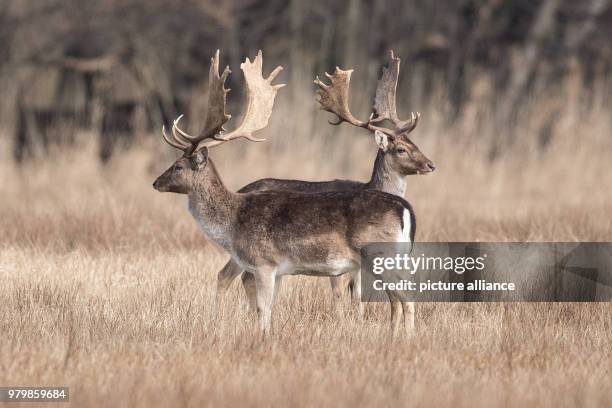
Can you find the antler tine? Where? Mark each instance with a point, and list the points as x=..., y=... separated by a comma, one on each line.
x=179, y=134
x=334, y=98
x=177, y=143
x=216, y=116
x=260, y=101
x=186, y=146
x=217, y=99
x=385, y=107
x=409, y=125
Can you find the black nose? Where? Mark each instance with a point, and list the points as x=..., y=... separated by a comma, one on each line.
x=431, y=166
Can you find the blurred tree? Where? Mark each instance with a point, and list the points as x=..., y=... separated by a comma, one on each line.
x=122, y=67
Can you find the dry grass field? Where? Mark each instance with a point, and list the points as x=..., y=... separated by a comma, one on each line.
x=108, y=287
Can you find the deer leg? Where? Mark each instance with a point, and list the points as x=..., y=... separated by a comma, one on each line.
x=402, y=314
x=248, y=283
x=250, y=289
x=224, y=280
x=265, y=279
x=336, y=286
x=356, y=293
x=397, y=313
x=227, y=275
x=338, y=295
x=277, y=285
x=341, y=286
x=396, y=316
x=408, y=308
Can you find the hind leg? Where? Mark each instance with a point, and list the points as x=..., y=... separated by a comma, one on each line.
x=409, y=311
x=277, y=286
x=402, y=314
x=397, y=317
x=250, y=290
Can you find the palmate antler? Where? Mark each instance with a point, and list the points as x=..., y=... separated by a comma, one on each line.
x=334, y=98
x=385, y=99
x=260, y=101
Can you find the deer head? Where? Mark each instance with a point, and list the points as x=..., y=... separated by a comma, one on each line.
x=405, y=157
x=185, y=172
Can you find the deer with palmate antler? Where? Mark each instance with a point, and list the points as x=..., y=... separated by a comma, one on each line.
x=397, y=157
x=276, y=233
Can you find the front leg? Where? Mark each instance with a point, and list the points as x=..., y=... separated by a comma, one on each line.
x=248, y=283
x=265, y=278
x=227, y=275
x=225, y=278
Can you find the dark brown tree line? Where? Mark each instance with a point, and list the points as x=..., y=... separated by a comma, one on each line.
x=122, y=67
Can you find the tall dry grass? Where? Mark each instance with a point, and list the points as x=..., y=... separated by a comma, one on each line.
x=108, y=287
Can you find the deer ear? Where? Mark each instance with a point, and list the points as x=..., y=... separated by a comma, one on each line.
x=199, y=158
x=382, y=140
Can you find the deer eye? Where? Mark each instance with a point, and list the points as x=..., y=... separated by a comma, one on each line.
x=402, y=151
x=178, y=167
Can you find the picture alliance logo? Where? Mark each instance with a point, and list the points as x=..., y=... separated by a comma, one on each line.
x=412, y=264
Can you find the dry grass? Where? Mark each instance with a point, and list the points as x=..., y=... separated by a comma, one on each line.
x=108, y=287
x=138, y=328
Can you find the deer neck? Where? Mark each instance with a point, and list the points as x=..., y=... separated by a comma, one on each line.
x=384, y=178
x=213, y=206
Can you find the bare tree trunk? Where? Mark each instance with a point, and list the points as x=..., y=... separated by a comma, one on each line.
x=234, y=46
x=456, y=68
x=523, y=72
x=377, y=53
x=327, y=37
x=595, y=9
x=350, y=41
x=296, y=51
x=541, y=31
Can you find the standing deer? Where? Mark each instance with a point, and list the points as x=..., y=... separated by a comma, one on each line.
x=397, y=158
x=274, y=233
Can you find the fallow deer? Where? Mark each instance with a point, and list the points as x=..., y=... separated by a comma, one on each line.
x=276, y=233
x=397, y=157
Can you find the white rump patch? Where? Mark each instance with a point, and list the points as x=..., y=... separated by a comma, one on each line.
x=404, y=235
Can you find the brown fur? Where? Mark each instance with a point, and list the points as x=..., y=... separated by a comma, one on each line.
x=390, y=169
x=265, y=230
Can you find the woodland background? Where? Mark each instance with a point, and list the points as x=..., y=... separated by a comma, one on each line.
x=121, y=68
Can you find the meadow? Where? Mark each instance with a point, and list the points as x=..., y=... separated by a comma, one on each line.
x=108, y=287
